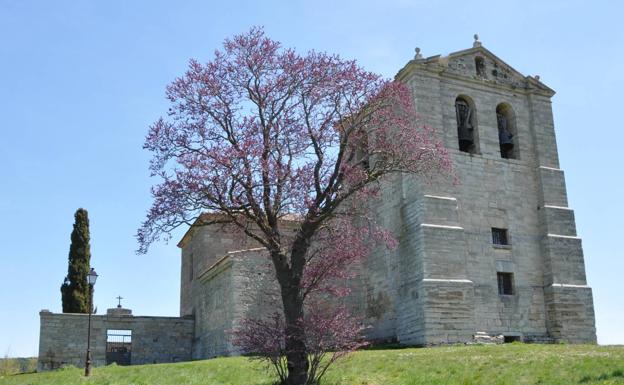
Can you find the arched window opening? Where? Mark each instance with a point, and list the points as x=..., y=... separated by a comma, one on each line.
x=507, y=131
x=362, y=153
x=480, y=66
x=359, y=153
x=465, y=113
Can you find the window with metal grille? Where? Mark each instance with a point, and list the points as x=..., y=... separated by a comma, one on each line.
x=499, y=236
x=505, y=283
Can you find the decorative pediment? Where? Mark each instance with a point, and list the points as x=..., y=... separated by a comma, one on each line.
x=479, y=64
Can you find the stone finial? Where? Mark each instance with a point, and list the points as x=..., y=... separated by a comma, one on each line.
x=537, y=77
x=476, y=43
x=418, y=55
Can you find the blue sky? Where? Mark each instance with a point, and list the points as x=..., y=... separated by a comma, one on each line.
x=80, y=81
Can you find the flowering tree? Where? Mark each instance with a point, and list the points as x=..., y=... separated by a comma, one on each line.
x=330, y=333
x=260, y=134
x=330, y=329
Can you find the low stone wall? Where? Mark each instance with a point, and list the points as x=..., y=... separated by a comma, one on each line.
x=63, y=338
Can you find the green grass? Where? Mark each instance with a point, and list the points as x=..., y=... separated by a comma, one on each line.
x=454, y=365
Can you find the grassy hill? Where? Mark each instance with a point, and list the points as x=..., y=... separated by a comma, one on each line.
x=17, y=365
x=461, y=365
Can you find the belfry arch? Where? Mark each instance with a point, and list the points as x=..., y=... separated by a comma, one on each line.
x=507, y=131
x=466, y=115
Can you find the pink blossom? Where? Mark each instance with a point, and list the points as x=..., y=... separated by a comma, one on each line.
x=261, y=133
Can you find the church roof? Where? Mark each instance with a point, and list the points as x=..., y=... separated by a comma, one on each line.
x=202, y=220
x=207, y=219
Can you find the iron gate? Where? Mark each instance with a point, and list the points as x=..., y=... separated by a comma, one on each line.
x=119, y=347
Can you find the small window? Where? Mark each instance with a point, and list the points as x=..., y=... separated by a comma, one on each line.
x=505, y=283
x=499, y=236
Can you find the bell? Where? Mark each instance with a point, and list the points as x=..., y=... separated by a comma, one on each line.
x=464, y=126
x=464, y=135
x=505, y=139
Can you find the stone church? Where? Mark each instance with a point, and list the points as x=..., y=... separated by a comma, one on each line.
x=494, y=255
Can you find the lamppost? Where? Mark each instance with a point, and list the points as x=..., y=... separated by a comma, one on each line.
x=91, y=278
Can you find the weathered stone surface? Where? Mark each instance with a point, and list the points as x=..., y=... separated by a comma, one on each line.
x=63, y=338
x=445, y=230
x=236, y=287
x=440, y=285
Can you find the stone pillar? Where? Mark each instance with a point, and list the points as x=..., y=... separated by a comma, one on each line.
x=568, y=298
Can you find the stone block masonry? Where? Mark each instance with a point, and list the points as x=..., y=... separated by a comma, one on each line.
x=234, y=288
x=447, y=287
x=63, y=338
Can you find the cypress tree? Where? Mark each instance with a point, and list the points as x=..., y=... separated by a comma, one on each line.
x=75, y=290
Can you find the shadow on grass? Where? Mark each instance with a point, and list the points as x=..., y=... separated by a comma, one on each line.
x=617, y=373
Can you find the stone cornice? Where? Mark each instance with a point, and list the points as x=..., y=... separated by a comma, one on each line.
x=223, y=263
x=219, y=266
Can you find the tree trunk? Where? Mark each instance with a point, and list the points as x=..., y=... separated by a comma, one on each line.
x=296, y=351
x=289, y=277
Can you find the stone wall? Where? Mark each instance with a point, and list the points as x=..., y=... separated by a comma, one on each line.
x=440, y=286
x=63, y=338
x=214, y=304
x=209, y=284
x=237, y=287
x=241, y=285
x=201, y=248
